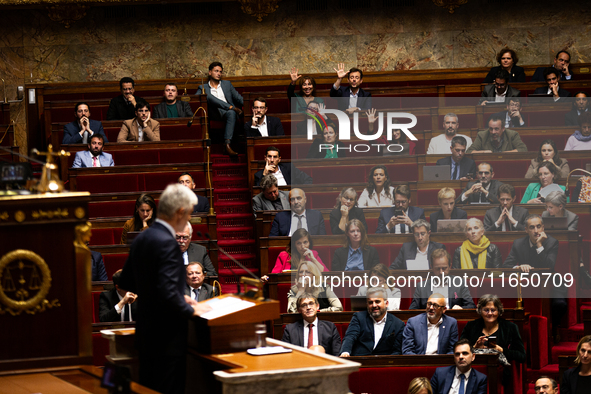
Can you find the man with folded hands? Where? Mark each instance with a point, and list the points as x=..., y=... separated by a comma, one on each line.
x=83, y=128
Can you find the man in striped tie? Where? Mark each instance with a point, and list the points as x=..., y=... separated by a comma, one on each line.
x=460, y=378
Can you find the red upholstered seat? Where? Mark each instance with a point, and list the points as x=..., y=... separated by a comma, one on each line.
x=114, y=262
x=102, y=236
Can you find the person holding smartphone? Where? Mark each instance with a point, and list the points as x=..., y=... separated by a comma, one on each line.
x=493, y=332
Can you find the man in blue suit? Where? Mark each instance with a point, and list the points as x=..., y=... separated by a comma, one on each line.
x=358, y=99
x=99, y=274
x=431, y=332
x=80, y=130
x=155, y=272
x=286, y=223
x=94, y=156
x=399, y=218
x=223, y=102
x=453, y=379
x=360, y=338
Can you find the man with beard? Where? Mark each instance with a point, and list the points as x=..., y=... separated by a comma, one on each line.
x=499, y=90
x=483, y=190
x=286, y=223
x=375, y=331
x=194, y=252
x=123, y=107
x=142, y=127
x=262, y=125
x=561, y=63
x=431, y=332
x=505, y=217
x=286, y=174
x=80, y=130
x=170, y=107
x=271, y=199
x=440, y=145
x=202, y=205
x=460, y=378
x=223, y=102
x=94, y=156
x=359, y=99
x=497, y=139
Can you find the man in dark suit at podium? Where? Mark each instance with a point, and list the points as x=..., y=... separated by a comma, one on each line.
x=310, y=331
x=195, y=288
x=155, y=271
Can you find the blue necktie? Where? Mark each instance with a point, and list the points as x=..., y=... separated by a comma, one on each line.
x=462, y=379
x=456, y=174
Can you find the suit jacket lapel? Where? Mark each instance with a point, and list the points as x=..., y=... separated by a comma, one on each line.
x=299, y=335
x=284, y=201
x=425, y=330
x=471, y=381
x=449, y=379
x=441, y=334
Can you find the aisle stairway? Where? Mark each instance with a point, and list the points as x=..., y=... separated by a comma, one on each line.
x=235, y=222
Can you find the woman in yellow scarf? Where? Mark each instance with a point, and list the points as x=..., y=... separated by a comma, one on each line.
x=476, y=251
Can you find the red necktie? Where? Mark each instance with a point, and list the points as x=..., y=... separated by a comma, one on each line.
x=94, y=163
x=310, y=336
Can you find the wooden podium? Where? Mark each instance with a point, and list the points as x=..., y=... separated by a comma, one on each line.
x=232, y=332
x=45, y=272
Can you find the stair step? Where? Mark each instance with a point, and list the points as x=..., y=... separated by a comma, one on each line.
x=573, y=333
x=563, y=349
x=238, y=195
x=235, y=233
x=237, y=248
x=229, y=183
x=242, y=220
x=232, y=171
x=224, y=160
x=233, y=208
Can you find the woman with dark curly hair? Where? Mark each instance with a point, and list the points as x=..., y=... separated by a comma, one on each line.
x=306, y=94
x=507, y=59
x=548, y=152
x=143, y=217
x=378, y=192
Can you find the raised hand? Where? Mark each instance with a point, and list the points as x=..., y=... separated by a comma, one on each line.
x=294, y=74
x=341, y=73
x=371, y=115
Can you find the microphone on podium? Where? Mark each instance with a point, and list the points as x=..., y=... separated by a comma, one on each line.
x=257, y=281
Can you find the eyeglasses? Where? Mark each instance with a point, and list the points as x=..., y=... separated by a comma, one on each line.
x=308, y=305
x=183, y=237
x=435, y=306
x=489, y=311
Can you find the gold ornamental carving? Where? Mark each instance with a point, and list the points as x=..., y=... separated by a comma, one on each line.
x=58, y=213
x=4, y=216
x=79, y=212
x=19, y=216
x=83, y=234
x=259, y=8
x=67, y=14
x=25, y=280
x=450, y=5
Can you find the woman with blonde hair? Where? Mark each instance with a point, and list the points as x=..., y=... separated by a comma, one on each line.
x=420, y=386
x=309, y=280
x=577, y=380
x=346, y=209
x=447, y=202
x=476, y=251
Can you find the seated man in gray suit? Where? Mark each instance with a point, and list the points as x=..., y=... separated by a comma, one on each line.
x=431, y=332
x=271, y=199
x=170, y=107
x=194, y=252
x=195, y=288
x=499, y=90
x=94, y=156
x=455, y=297
x=506, y=217
x=223, y=102
x=420, y=250
x=483, y=190
x=310, y=331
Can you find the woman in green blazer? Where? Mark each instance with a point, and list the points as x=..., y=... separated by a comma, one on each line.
x=548, y=173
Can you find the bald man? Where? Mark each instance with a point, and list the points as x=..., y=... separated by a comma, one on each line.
x=286, y=223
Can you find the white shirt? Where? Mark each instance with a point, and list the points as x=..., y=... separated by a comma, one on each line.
x=186, y=257
x=353, y=99
x=261, y=127
x=422, y=256
x=280, y=178
x=365, y=200
x=433, y=336
x=314, y=332
x=193, y=295
x=120, y=311
x=218, y=92
x=500, y=98
x=440, y=145
x=455, y=386
x=508, y=120
x=140, y=131
x=552, y=93
x=487, y=187
x=378, y=329
x=294, y=222
x=98, y=160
